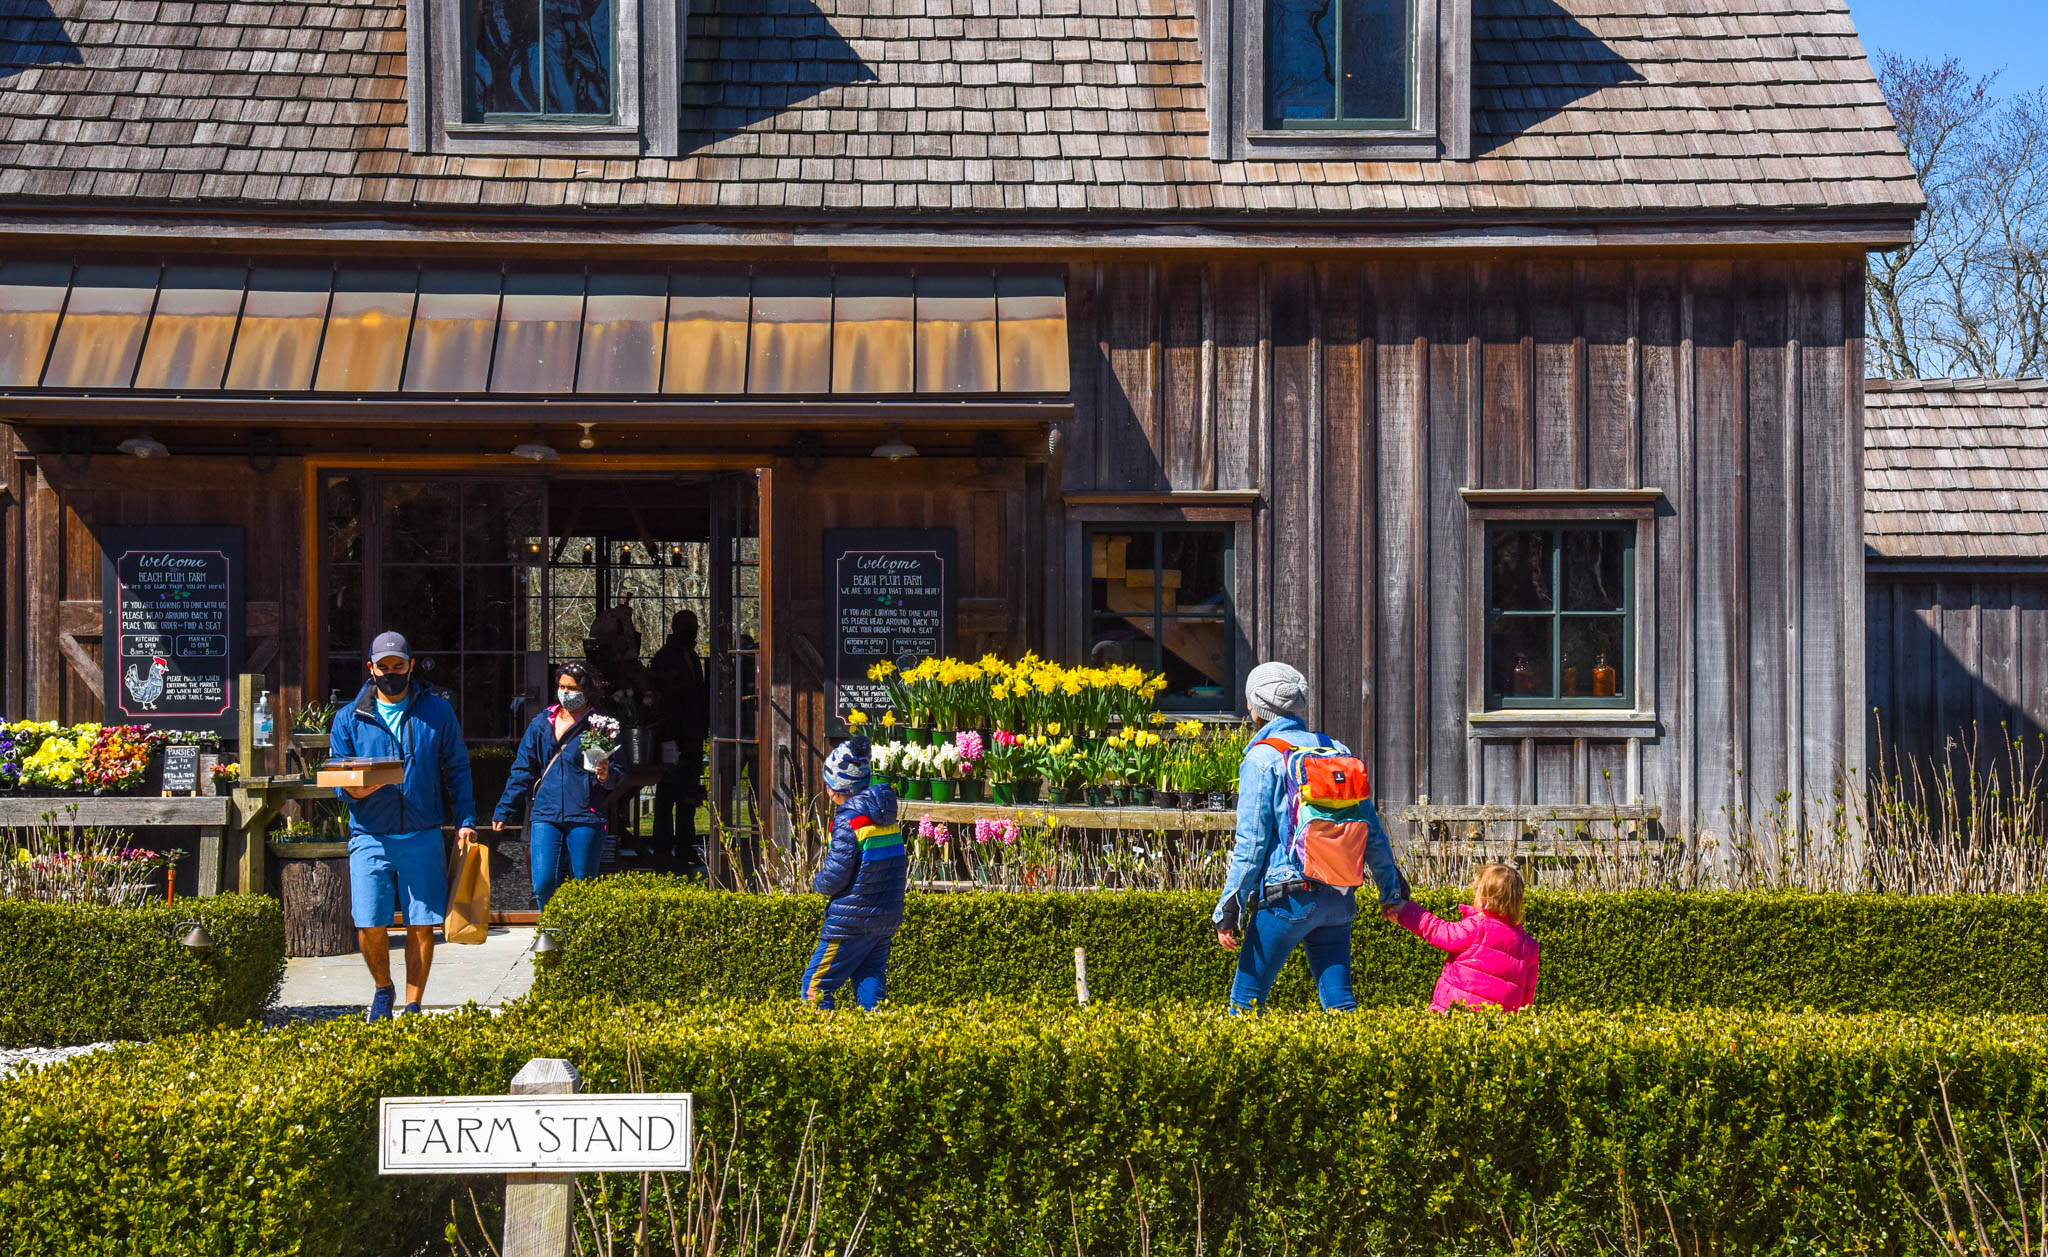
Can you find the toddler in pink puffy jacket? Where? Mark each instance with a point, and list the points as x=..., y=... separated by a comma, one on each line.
x=1493, y=960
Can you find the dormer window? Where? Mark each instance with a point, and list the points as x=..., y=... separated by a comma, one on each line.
x=545, y=78
x=1335, y=80
x=1340, y=64
x=541, y=59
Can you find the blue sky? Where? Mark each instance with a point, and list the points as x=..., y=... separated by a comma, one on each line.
x=2008, y=35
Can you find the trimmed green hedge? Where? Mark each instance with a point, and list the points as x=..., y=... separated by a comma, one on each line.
x=1000, y=1129
x=643, y=937
x=82, y=973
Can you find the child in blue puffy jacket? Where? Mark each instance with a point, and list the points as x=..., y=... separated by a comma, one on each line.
x=863, y=877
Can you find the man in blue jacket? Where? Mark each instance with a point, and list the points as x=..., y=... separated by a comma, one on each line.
x=863, y=877
x=394, y=846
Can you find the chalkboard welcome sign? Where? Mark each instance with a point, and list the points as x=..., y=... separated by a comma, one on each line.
x=171, y=635
x=893, y=595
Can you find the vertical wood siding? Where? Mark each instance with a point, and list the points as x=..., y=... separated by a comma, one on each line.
x=1956, y=662
x=1360, y=397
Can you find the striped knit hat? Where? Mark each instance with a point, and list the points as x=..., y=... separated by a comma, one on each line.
x=846, y=768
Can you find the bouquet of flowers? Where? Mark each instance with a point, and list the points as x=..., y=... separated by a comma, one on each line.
x=599, y=740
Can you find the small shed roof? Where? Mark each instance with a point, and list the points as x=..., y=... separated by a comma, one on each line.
x=1956, y=469
x=1034, y=110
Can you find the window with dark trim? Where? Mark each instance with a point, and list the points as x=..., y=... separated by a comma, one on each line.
x=1338, y=80
x=540, y=60
x=1159, y=597
x=1340, y=64
x=1561, y=610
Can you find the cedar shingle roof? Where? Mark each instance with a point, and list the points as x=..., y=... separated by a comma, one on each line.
x=1956, y=469
x=1597, y=108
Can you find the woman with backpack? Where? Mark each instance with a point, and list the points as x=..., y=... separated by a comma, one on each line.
x=1307, y=836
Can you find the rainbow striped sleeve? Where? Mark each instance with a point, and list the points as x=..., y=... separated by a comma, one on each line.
x=877, y=841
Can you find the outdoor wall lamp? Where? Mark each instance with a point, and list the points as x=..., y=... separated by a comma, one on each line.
x=588, y=441
x=144, y=447
x=895, y=449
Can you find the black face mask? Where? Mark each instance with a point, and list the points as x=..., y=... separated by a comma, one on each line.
x=392, y=684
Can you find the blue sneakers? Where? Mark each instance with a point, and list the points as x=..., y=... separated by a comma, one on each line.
x=412, y=1010
x=380, y=1004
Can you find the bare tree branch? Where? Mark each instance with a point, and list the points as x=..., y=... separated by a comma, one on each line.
x=1969, y=294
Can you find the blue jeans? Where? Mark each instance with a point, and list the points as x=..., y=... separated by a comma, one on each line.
x=550, y=844
x=1317, y=920
x=862, y=961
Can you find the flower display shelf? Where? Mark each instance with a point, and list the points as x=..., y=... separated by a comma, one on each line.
x=210, y=815
x=1114, y=818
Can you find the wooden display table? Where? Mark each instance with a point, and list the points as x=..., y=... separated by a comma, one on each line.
x=209, y=814
x=1118, y=818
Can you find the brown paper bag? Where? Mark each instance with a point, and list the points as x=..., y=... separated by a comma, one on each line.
x=469, y=896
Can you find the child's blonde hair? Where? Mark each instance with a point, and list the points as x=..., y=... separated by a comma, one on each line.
x=1497, y=888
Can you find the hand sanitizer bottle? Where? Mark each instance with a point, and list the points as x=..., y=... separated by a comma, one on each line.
x=264, y=724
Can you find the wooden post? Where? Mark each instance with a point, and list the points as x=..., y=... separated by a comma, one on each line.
x=538, y=1207
x=1080, y=975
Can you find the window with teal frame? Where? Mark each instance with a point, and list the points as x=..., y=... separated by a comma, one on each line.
x=1340, y=64
x=541, y=61
x=1159, y=597
x=1560, y=629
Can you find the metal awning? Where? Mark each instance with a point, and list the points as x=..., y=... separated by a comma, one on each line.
x=311, y=339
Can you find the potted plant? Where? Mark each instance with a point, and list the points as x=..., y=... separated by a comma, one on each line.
x=916, y=768
x=225, y=776
x=887, y=762
x=1000, y=759
x=973, y=750
x=946, y=766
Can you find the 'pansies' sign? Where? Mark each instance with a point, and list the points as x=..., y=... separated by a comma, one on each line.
x=171, y=637
x=893, y=595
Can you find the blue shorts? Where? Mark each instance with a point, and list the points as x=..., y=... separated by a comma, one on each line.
x=385, y=871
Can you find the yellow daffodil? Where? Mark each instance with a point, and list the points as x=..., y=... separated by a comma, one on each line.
x=889, y=719
x=856, y=718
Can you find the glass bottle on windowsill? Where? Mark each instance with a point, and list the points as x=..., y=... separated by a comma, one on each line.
x=1603, y=678
x=1525, y=675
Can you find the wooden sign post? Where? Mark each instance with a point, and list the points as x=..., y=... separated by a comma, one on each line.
x=540, y=1137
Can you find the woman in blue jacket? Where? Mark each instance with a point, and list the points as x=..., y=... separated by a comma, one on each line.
x=566, y=822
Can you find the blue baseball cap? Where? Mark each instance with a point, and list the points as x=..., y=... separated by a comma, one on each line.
x=389, y=644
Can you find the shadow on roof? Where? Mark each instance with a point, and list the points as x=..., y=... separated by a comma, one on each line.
x=1530, y=61
x=31, y=35
x=750, y=60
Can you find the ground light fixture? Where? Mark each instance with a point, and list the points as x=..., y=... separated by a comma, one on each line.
x=534, y=449
x=895, y=449
x=196, y=940
x=144, y=447
x=547, y=948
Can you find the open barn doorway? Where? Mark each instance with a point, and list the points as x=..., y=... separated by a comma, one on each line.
x=653, y=580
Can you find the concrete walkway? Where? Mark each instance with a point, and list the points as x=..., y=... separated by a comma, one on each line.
x=497, y=970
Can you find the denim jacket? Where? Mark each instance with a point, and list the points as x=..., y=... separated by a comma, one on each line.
x=1262, y=817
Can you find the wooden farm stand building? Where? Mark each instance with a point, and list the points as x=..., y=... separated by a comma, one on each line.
x=1956, y=511
x=1499, y=363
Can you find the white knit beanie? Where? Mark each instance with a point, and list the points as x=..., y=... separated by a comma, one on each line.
x=1276, y=689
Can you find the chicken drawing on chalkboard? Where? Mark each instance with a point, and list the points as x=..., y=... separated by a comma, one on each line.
x=144, y=688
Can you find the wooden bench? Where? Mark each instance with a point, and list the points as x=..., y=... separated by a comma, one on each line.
x=1530, y=836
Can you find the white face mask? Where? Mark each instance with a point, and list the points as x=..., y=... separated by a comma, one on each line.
x=571, y=699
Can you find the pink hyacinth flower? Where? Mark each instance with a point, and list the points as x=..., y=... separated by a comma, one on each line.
x=969, y=744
